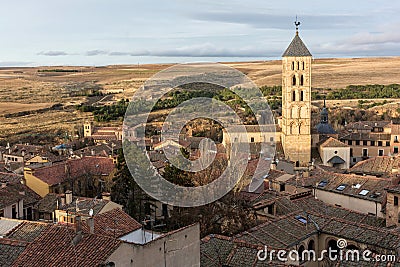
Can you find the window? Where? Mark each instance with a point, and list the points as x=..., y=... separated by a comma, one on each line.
x=365, y=152
x=294, y=80
x=379, y=143
x=365, y=143
x=372, y=143
x=14, y=212
x=298, y=65
x=1, y=213
x=293, y=65
x=354, y=160
x=301, y=80
x=364, y=192
x=301, y=252
x=282, y=187
x=380, y=152
x=323, y=183
x=301, y=95
x=293, y=96
x=396, y=150
x=301, y=219
x=271, y=139
x=351, y=152
x=341, y=187
x=357, y=142
x=252, y=139
x=396, y=201
x=303, y=65
x=387, y=143
x=350, y=142
x=396, y=139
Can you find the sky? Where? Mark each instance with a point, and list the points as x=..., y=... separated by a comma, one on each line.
x=106, y=32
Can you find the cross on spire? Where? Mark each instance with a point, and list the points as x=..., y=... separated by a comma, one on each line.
x=297, y=24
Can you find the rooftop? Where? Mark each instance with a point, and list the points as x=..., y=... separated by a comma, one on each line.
x=297, y=48
x=74, y=168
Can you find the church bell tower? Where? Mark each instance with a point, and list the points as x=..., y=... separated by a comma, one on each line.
x=296, y=101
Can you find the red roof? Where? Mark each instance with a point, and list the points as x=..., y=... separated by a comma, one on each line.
x=75, y=168
x=114, y=223
x=54, y=247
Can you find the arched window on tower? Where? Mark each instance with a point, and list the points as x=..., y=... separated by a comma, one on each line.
x=301, y=80
x=294, y=80
x=303, y=65
x=299, y=128
x=293, y=65
x=293, y=96
x=301, y=95
x=298, y=65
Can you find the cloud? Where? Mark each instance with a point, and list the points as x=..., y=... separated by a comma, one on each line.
x=96, y=52
x=273, y=21
x=374, y=43
x=202, y=50
x=15, y=63
x=53, y=53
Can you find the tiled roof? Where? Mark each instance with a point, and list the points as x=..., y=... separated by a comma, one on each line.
x=377, y=165
x=297, y=48
x=54, y=247
x=311, y=204
x=353, y=184
x=114, y=223
x=359, y=232
x=366, y=136
x=85, y=204
x=10, y=250
x=76, y=168
x=6, y=225
x=10, y=177
x=284, y=232
x=14, y=192
x=366, y=125
x=27, y=231
x=217, y=250
x=332, y=142
x=48, y=204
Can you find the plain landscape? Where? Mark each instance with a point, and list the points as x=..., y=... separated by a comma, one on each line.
x=42, y=100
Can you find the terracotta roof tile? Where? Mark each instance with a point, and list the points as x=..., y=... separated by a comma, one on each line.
x=54, y=247
x=113, y=223
x=76, y=168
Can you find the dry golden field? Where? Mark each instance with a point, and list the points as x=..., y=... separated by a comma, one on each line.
x=30, y=89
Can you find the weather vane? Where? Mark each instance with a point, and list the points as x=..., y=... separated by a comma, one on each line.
x=297, y=24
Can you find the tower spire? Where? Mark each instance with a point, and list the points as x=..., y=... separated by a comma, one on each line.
x=297, y=24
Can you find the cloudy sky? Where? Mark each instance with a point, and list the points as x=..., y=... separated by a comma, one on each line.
x=102, y=32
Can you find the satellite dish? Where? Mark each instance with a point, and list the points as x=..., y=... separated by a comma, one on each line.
x=91, y=212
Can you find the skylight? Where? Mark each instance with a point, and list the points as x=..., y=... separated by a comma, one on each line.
x=322, y=183
x=356, y=186
x=364, y=192
x=341, y=187
x=301, y=219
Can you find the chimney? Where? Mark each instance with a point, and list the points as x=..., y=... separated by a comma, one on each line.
x=78, y=231
x=90, y=223
x=68, y=197
x=106, y=196
x=62, y=197
x=78, y=224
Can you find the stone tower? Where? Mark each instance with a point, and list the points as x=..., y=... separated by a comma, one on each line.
x=87, y=129
x=296, y=101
